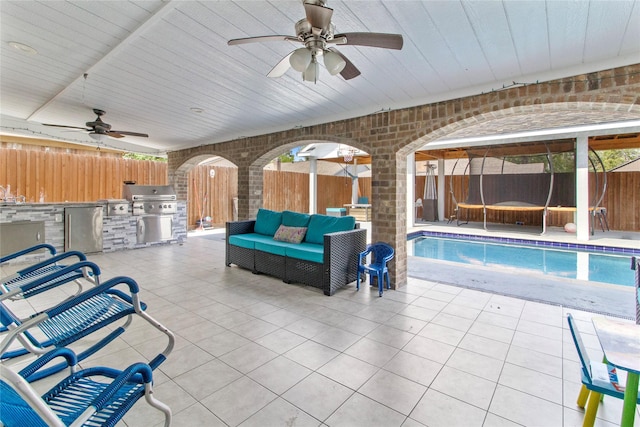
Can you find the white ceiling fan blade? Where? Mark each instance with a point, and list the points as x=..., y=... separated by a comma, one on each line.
x=281, y=67
x=261, y=39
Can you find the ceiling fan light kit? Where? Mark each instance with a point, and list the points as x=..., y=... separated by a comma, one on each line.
x=316, y=32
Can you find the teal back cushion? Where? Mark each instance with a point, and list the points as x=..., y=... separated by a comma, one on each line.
x=267, y=222
x=295, y=219
x=319, y=225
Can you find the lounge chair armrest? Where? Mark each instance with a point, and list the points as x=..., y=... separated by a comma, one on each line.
x=41, y=361
x=141, y=370
x=53, y=260
x=50, y=279
x=18, y=254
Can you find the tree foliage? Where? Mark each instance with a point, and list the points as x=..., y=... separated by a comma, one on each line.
x=136, y=156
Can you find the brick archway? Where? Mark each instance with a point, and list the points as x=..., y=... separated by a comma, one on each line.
x=390, y=136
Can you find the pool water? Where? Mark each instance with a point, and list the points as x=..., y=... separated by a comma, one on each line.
x=567, y=263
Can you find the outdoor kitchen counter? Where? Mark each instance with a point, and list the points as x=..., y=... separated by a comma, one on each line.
x=119, y=232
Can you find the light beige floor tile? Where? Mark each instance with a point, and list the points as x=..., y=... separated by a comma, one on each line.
x=280, y=341
x=431, y=304
x=238, y=401
x=336, y=339
x=476, y=364
x=545, y=345
x=537, y=361
x=254, y=329
x=406, y=323
x=419, y=313
x=390, y=336
x=394, y=391
x=372, y=352
x=311, y=354
x=493, y=332
x=466, y=387
x=280, y=413
x=248, y=357
x=484, y=346
x=429, y=349
x=463, y=311
x=306, y=327
x=318, y=396
x=492, y=420
x=223, y=343
x=532, y=382
x=525, y=409
x=453, y=322
x=439, y=410
x=195, y=415
x=498, y=319
x=360, y=411
x=279, y=374
x=442, y=333
x=207, y=379
x=415, y=368
x=348, y=371
x=184, y=360
x=540, y=329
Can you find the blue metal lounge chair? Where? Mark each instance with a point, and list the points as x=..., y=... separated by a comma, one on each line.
x=598, y=378
x=96, y=396
x=381, y=253
x=76, y=318
x=45, y=268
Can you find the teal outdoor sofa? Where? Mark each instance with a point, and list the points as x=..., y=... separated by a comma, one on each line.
x=316, y=250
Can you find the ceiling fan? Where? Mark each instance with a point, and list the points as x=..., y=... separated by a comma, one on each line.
x=99, y=129
x=316, y=33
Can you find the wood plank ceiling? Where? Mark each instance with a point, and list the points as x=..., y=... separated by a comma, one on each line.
x=149, y=64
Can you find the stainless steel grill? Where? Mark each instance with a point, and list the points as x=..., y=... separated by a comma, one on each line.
x=155, y=206
x=151, y=199
x=116, y=206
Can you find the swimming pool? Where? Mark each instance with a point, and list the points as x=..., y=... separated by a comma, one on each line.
x=555, y=261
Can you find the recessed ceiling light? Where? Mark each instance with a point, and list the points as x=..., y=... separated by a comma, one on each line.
x=197, y=110
x=23, y=48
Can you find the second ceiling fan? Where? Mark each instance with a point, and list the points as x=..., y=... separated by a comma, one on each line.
x=316, y=33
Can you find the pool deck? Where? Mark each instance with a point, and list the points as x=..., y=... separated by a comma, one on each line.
x=594, y=297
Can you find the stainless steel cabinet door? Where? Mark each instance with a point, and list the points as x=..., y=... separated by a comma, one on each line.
x=83, y=229
x=154, y=228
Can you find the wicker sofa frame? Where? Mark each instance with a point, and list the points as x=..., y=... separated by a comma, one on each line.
x=339, y=267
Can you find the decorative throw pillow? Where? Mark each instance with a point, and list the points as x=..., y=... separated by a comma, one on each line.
x=290, y=234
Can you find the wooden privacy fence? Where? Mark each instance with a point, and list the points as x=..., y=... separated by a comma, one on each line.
x=62, y=177
x=71, y=177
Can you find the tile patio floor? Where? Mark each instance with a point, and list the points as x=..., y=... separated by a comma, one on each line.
x=254, y=351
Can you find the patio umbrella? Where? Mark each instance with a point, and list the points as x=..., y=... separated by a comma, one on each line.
x=430, y=199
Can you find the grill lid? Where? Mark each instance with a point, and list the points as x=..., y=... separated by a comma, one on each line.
x=148, y=192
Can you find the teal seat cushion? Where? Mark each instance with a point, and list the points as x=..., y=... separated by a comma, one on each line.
x=248, y=240
x=267, y=222
x=273, y=247
x=295, y=219
x=243, y=240
x=306, y=251
x=319, y=225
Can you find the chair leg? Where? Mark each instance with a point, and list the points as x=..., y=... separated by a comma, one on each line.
x=592, y=409
x=380, y=283
x=358, y=281
x=583, y=396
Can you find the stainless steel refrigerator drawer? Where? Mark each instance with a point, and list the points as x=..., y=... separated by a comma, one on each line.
x=154, y=228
